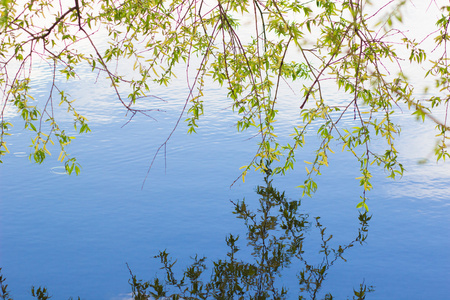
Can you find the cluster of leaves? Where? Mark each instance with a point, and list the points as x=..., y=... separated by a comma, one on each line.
x=4, y=288
x=155, y=36
x=39, y=293
x=275, y=236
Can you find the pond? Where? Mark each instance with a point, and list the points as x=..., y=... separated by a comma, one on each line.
x=80, y=236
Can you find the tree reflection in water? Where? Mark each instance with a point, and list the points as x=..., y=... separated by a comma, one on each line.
x=275, y=234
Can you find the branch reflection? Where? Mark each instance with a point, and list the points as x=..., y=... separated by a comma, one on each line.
x=276, y=232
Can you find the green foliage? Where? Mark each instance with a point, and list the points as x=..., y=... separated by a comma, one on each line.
x=300, y=44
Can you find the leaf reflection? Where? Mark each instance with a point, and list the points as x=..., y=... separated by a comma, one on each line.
x=276, y=232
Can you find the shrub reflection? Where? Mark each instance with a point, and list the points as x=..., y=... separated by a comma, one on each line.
x=275, y=234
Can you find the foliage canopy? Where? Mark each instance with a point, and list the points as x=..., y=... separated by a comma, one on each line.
x=357, y=45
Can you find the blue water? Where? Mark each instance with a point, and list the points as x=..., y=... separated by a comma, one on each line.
x=75, y=234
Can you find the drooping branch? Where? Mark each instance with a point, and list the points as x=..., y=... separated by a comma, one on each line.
x=58, y=20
